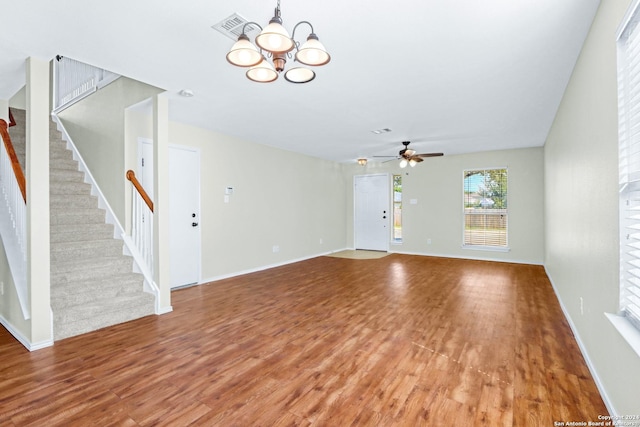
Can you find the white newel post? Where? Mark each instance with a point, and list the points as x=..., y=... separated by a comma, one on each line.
x=37, y=180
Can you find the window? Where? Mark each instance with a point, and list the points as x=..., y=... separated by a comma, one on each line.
x=629, y=164
x=485, y=208
x=397, y=208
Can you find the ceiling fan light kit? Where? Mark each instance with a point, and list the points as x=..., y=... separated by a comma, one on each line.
x=274, y=42
x=408, y=156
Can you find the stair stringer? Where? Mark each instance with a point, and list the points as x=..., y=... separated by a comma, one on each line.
x=119, y=233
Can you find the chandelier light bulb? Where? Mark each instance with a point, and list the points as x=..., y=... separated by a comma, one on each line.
x=313, y=52
x=243, y=53
x=262, y=73
x=403, y=163
x=275, y=38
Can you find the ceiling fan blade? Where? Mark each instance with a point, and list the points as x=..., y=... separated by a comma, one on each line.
x=395, y=157
x=429, y=155
x=416, y=159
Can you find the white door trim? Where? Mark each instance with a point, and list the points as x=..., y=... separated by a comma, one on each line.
x=389, y=210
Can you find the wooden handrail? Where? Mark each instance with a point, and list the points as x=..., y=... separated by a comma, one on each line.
x=15, y=164
x=131, y=176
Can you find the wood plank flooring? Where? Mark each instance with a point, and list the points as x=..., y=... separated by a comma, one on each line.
x=397, y=341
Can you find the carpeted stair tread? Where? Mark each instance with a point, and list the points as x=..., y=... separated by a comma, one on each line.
x=77, y=216
x=69, y=187
x=125, y=283
x=83, y=291
x=65, y=251
x=64, y=175
x=102, y=313
x=66, y=164
x=80, y=232
x=93, y=262
x=72, y=201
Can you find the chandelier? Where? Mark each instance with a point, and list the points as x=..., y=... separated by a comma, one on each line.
x=276, y=42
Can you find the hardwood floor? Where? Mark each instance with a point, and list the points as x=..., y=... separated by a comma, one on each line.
x=397, y=341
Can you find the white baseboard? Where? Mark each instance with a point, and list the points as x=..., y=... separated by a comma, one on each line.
x=164, y=310
x=22, y=339
x=475, y=258
x=265, y=267
x=583, y=350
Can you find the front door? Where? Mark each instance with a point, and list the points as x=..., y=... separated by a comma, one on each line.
x=371, y=216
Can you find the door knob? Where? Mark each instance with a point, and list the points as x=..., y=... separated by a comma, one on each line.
x=384, y=217
x=194, y=224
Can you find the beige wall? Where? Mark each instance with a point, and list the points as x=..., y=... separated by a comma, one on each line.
x=436, y=185
x=97, y=128
x=280, y=198
x=4, y=110
x=581, y=209
x=19, y=99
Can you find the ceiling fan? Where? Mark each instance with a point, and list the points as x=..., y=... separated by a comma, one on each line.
x=408, y=156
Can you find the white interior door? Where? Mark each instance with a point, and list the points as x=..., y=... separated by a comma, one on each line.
x=371, y=212
x=184, y=208
x=184, y=215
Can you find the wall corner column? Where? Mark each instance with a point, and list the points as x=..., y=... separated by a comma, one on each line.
x=161, y=254
x=37, y=184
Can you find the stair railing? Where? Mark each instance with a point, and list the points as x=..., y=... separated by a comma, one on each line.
x=141, y=220
x=13, y=225
x=74, y=80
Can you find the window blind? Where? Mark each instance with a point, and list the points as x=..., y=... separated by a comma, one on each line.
x=629, y=168
x=485, y=208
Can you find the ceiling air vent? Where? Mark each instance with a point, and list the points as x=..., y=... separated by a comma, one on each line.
x=232, y=27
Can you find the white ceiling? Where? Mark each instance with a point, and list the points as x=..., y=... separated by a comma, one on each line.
x=450, y=75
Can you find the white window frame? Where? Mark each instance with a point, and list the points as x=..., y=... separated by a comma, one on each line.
x=628, y=46
x=496, y=248
x=394, y=240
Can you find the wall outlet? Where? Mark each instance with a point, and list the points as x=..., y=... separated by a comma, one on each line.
x=276, y=249
x=581, y=306
x=321, y=241
x=428, y=241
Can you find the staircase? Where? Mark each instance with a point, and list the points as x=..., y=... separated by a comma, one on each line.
x=92, y=282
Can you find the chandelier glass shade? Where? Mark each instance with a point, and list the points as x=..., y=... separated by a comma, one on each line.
x=275, y=43
x=243, y=53
x=262, y=72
